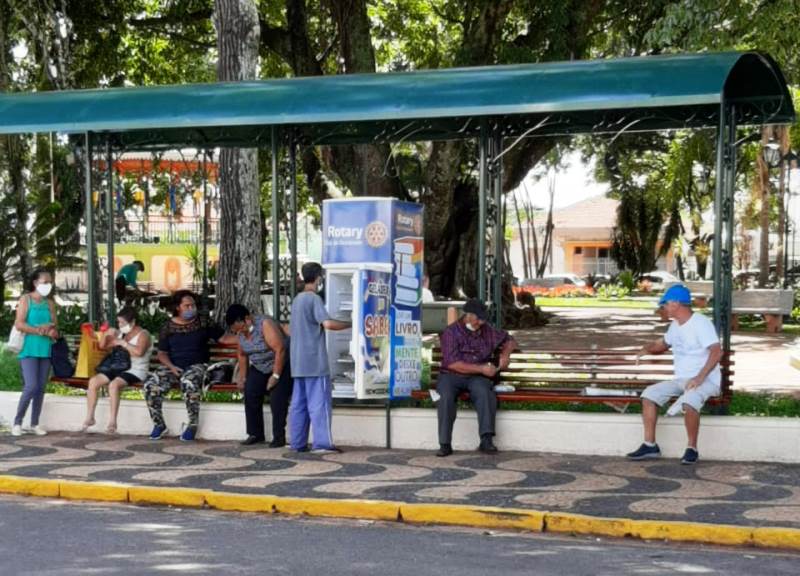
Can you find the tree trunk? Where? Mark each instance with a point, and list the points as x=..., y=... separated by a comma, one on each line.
x=239, y=278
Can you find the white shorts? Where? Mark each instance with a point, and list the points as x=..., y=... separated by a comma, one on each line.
x=662, y=392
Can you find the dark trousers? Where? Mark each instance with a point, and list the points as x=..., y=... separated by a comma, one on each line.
x=481, y=393
x=255, y=389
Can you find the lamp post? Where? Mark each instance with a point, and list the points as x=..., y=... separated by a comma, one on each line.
x=788, y=158
x=771, y=154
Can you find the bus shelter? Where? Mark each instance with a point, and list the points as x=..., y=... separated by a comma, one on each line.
x=498, y=106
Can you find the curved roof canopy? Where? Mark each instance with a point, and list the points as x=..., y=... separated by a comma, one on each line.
x=643, y=93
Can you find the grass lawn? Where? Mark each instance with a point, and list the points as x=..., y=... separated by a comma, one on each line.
x=546, y=302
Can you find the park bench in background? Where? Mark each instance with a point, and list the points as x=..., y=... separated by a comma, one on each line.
x=604, y=376
x=772, y=304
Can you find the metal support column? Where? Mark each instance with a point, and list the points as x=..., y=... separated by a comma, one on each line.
x=111, y=305
x=498, y=238
x=724, y=226
x=728, y=229
x=90, y=247
x=205, y=229
x=276, y=233
x=292, y=276
x=483, y=145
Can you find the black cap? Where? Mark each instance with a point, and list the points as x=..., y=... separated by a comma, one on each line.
x=476, y=307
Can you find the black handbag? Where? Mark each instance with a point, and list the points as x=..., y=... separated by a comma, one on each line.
x=219, y=373
x=116, y=362
x=59, y=357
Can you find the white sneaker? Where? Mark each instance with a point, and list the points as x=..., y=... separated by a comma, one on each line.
x=39, y=431
x=16, y=430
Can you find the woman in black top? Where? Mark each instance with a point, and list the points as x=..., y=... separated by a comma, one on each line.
x=183, y=351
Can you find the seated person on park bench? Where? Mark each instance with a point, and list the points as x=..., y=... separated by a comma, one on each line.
x=696, y=354
x=125, y=283
x=469, y=346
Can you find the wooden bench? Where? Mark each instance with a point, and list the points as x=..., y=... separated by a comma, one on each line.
x=772, y=304
x=219, y=352
x=604, y=376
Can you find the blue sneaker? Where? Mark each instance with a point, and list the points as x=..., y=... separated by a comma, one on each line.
x=690, y=456
x=188, y=434
x=645, y=452
x=158, y=432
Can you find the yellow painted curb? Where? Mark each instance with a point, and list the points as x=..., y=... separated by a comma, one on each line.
x=359, y=509
x=473, y=516
x=692, y=532
x=777, y=537
x=74, y=490
x=240, y=502
x=476, y=516
x=29, y=486
x=183, y=497
x=563, y=522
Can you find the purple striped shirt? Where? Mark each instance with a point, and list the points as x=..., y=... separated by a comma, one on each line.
x=462, y=345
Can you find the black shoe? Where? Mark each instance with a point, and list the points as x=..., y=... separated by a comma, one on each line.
x=690, y=456
x=277, y=443
x=444, y=450
x=645, y=452
x=251, y=440
x=487, y=446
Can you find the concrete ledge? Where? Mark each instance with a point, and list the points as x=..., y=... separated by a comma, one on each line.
x=181, y=497
x=476, y=516
x=358, y=509
x=439, y=514
x=729, y=438
x=103, y=492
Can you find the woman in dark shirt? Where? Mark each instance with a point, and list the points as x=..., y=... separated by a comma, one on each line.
x=183, y=353
x=263, y=369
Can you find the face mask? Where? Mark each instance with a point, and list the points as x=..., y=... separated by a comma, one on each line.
x=44, y=289
x=125, y=329
x=188, y=314
x=471, y=328
x=250, y=329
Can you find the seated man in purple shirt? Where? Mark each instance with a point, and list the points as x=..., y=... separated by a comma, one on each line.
x=470, y=346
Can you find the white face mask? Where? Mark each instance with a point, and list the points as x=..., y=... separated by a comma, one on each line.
x=44, y=289
x=125, y=329
x=470, y=327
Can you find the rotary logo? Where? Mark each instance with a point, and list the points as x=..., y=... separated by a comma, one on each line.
x=376, y=234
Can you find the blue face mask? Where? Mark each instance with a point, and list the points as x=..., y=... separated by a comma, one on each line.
x=188, y=314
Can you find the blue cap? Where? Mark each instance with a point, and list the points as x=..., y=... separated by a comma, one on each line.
x=677, y=293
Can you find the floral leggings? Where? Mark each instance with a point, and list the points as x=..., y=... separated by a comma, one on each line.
x=159, y=382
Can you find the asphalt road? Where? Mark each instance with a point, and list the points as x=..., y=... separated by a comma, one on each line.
x=44, y=537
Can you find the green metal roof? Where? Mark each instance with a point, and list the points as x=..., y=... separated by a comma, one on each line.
x=643, y=93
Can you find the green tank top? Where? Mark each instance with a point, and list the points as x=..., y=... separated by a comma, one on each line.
x=37, y=346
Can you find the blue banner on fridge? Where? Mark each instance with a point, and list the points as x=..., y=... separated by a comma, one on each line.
x=357, y=231
x=373, y=334
x=406, y=340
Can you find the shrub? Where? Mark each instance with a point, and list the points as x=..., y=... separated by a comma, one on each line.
x=627, y=280
x=563, y=291
x=6, y=322
x=613, y=291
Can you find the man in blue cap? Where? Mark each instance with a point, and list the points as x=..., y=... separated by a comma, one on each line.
x=696, y=353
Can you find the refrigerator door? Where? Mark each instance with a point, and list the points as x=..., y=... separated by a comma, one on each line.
x=339, y=300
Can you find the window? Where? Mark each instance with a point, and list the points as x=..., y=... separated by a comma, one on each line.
x=578, y=250
x=602, y=252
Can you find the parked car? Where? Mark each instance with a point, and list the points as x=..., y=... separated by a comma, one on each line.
x=553, y=280
x=660, y=277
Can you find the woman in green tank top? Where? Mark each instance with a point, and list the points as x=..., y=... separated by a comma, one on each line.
x=36, y=318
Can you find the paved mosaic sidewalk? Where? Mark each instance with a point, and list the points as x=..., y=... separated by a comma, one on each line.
x=745, y=494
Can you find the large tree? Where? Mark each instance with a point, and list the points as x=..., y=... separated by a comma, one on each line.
x=239, y=277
